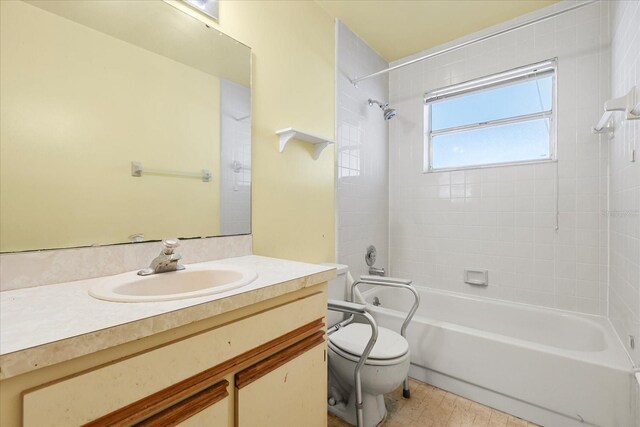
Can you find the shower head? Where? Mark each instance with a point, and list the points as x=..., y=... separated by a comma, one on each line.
x=387, y=113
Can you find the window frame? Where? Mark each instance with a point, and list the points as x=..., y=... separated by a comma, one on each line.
x=505, y=78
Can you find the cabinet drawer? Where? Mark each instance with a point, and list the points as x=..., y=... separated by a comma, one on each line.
x=216, y=415
x=208, y=407
x=93, y=394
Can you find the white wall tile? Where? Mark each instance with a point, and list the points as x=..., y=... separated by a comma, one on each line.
x=362, y=155
x=623, y=213
x=509, y=222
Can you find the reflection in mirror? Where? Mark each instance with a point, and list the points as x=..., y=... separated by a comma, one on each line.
x=87, y=88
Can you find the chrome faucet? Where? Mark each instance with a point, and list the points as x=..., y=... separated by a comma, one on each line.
x=166, y=261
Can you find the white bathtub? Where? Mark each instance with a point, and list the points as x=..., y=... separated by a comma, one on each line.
x=551, y=367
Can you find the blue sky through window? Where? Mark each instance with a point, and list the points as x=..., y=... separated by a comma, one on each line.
x=526, y=97
x=513, y=142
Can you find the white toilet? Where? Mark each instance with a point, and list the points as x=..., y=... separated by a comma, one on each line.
x=383, y=372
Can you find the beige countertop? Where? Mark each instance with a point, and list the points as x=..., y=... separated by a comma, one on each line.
x=50, y=324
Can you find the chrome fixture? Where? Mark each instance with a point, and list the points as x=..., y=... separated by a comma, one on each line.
x=374, y=271
x=387, y=112
x=392, y=282
x=370, y=256
x=357, y=80
x=166, y=261
x=370, y=259
x=361, y=311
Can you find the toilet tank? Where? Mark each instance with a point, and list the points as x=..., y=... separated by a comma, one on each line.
x=337, y=290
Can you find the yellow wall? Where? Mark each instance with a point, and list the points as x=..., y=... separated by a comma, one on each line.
x=293, y=86
x=71, y=125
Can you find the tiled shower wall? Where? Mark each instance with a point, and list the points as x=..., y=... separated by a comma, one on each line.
x=362, y=155
x=503, y=219
x=624, y=187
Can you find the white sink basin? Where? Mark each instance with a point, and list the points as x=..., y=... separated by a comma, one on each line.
x=189, y=283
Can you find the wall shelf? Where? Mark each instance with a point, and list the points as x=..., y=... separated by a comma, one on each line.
x=287, y=134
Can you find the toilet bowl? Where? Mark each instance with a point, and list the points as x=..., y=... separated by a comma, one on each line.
x=384, y=371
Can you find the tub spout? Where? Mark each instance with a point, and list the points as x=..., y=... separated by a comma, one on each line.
x=374, y=271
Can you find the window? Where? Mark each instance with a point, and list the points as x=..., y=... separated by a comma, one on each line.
x=505, y=118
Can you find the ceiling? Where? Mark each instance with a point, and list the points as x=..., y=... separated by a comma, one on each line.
x=398, y=28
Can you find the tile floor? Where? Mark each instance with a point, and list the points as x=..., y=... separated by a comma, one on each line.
x=432, y=407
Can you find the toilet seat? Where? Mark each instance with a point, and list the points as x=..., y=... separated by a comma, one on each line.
x=351, y=340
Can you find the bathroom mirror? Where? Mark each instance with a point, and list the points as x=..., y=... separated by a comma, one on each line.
x=90, y=87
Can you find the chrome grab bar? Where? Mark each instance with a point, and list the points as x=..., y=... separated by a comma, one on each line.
x=356, y=310
x=386, y=279
x=393, y=282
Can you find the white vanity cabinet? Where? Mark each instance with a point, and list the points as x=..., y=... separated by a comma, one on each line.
x=264, y=368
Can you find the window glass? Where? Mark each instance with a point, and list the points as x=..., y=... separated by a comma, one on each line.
x=500, y=119
x=519, y=99
x=514, y=142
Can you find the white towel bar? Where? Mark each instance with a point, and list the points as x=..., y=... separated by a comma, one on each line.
x=138, y=170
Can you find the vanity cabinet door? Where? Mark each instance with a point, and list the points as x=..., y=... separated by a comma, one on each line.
x=287, y=389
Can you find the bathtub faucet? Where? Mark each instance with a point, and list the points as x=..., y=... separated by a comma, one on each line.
x=376, y=271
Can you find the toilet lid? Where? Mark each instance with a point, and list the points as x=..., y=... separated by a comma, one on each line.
x=354, y=337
